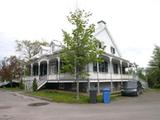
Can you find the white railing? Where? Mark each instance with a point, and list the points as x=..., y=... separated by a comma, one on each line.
x=53, y=77
x=108, y=76
x=93, y=76
x=66, y=76
x=41, y=81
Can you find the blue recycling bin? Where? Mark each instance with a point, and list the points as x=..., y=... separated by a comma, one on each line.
x=106, y=95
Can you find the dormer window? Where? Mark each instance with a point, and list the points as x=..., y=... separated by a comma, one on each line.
x=100, y=44
x=113, y=50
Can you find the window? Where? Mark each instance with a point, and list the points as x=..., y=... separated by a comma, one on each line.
x=54, y=66
x=113, y=50
x=94, y=67
x=35, y=69
x=123, y=70
x=101, y=44
x=103, y=67
x=115, y=68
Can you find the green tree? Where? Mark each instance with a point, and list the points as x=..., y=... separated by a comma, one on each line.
x=34, y=84
x=153, y=71
x=80, y=46
x=16, y=67
x=29, y=48
x=5, y=71
x=11, y=68
x=140, y=72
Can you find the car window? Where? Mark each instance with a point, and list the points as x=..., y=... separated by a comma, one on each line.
x=130, y=84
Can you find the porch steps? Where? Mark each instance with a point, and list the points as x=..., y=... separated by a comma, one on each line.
x=39, y=86
x=42, y=81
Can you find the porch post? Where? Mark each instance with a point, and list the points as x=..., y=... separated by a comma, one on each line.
x=89, y=86
x=47, y=67
x=128, y=73
x=111, y=72
x=39, y=68
x=121, y=71
x=58, y=58
x=98, y=78
x=31, y=69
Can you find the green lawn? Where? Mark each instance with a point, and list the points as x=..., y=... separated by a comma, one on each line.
x=153, y=90
x=65, y=97
x=61, y=96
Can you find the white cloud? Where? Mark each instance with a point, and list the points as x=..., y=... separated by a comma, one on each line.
x=7, y=45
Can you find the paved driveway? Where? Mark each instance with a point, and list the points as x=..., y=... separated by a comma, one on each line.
x=14, y=106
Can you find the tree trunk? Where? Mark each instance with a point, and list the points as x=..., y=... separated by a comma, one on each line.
x=77, y=81
x=77, y=89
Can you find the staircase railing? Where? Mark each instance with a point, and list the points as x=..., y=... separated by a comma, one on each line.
x=42, y=80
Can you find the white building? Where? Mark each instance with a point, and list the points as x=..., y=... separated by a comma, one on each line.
x=45, y=67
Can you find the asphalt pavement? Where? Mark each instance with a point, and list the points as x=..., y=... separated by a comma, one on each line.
x=15, y=106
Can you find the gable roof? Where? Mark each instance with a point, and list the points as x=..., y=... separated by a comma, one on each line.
x=101, y=33
x=103, y=29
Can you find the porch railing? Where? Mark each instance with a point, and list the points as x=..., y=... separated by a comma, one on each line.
x=108, y=76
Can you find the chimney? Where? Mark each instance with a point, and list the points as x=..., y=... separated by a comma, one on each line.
x=101, y=23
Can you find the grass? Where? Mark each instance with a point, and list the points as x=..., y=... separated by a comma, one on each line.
x=153, y=90
x=59, y=96
x=65, y=96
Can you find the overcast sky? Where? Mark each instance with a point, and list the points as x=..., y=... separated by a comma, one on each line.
x=133, y=24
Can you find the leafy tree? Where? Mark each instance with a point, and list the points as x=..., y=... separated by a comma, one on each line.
x=5, y=71
x=140, y=73
x=16, y=66
x=11, y=68
x=153, y=71
x=29, y=48
x=80, y=46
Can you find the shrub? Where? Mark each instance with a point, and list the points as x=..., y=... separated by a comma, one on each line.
x=21, y=85
x=35, y=84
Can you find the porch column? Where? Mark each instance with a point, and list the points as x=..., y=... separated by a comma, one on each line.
x=121, y=71
x=98, y=78
x=47, y=67
x=128, y=71
x=111, y=72
x=39, y=68
x=31, y=69
x=89, y=86
x=58, y=59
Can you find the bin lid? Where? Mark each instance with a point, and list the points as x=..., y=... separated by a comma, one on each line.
x=106, y=89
